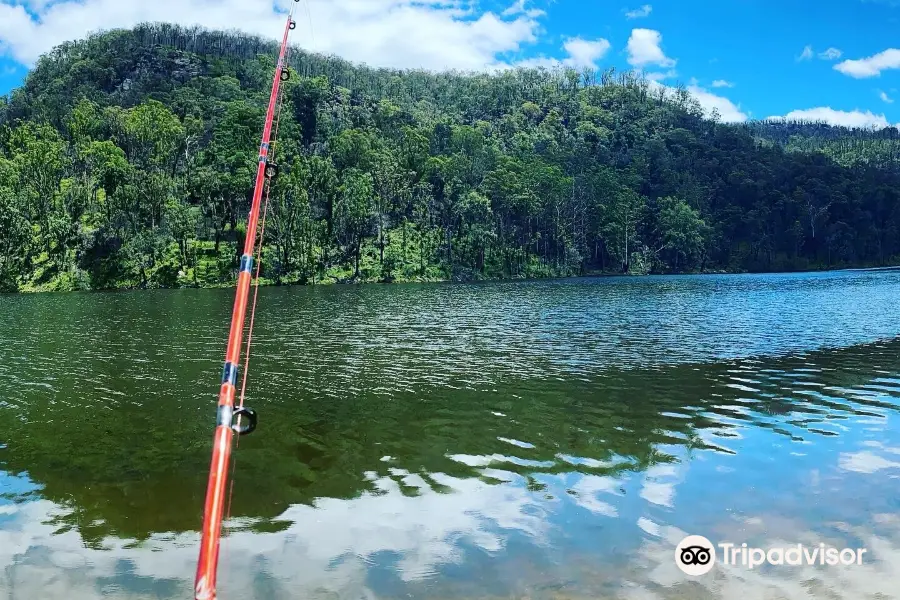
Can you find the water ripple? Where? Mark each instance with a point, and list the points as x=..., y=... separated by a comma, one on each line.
x=515, y=440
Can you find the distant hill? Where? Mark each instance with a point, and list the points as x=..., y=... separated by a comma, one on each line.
x=877, y=147
x=126, y=160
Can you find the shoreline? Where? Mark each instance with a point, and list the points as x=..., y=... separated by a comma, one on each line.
x=263, y=282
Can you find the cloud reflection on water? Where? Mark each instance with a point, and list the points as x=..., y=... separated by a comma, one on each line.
x=342, y=548
x=554, y=474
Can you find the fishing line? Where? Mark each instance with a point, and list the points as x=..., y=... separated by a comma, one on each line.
x=309, y=19
x=259, y=249
x=218, y=493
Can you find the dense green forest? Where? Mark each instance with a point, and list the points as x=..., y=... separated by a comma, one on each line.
x=127, y=160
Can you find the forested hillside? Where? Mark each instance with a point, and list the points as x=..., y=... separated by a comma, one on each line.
x=127, y=160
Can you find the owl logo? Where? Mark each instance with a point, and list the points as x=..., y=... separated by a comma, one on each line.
x=695, y=555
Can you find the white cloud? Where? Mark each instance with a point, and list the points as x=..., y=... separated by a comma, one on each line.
x=430, y=34
x=644, y=49
x=581, y=53
x=728, y=111
x=806, y=54
x=639, y=13
x=585, y=53
x=871, y=66
x=519, y=7
x=853, y=118
x=883, y=95
x=719, y=83
x=830, y=54
x=655, y=76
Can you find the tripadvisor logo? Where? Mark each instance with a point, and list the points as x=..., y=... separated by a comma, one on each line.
x=695, y=555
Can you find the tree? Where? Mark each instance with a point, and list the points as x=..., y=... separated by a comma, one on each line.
x=354, y=212
x=683, y=232
x=129, y=174
x=622, y=214
x=14, y=230
x=289, y=225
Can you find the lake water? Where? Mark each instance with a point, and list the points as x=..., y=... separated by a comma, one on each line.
x=527, y=440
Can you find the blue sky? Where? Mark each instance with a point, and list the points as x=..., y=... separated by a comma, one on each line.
x=835, y=60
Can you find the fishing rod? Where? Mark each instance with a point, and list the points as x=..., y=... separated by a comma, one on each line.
x=226, y=428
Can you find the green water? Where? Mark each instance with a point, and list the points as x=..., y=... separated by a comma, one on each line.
x=550, y=439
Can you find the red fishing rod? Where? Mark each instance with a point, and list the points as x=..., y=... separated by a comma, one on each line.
x=207, y=565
